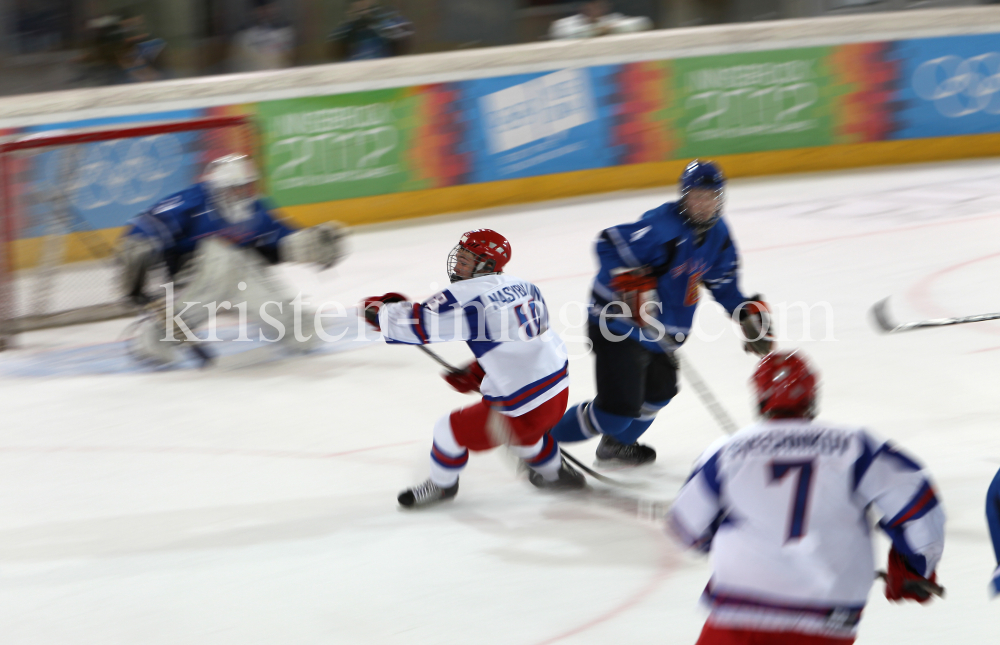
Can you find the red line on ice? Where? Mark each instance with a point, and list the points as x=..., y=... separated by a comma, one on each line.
x=920, y=294
x=663, y=570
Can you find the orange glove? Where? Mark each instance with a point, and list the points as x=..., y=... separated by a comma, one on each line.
x=631, y=285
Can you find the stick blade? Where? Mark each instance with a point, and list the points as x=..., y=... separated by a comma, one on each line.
x=880, y=317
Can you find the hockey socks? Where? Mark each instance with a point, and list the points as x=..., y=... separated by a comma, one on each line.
x=543, y=457
x=638, y=426
x=448, y=458
x=585, y=421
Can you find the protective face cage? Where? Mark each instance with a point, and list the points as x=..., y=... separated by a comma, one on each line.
x=702, y=226
x=481, y=265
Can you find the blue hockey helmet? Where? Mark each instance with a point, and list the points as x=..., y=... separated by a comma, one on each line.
x=704, y=175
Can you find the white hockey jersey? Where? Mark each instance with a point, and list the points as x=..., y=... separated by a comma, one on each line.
x=505, y=322
x=782, y=506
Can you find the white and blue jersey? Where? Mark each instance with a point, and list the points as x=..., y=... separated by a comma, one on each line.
x=505, y=323
x=177, y=223
x=663, y=241
x=782, y=507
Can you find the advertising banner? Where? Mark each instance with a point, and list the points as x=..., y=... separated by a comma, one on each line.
x=753, y=102
x=319, y=149
x=537, y=124
x=948, y=86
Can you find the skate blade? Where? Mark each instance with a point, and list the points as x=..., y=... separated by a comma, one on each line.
x=613, y=465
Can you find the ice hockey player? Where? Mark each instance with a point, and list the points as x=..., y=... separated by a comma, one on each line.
x=642, y=306
x=520, y=368
x=781, y=507
x=216, y=241
x=993, y=520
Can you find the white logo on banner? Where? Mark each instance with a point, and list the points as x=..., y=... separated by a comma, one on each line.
x=334, y=145
x=122, y=171
x=959, y=87
x=537, y=109
x=751, y=100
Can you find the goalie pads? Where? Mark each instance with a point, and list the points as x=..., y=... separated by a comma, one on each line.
x=136, y=255
x=323, y=244
x=222, y=276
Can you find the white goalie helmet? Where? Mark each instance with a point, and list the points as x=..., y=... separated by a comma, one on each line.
x=232, y=182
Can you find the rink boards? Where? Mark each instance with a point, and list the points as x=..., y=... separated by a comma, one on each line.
x=394, y=139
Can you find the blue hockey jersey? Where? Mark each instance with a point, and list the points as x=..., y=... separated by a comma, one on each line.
x=993, y=521
x=176, y=224
x=663, y=240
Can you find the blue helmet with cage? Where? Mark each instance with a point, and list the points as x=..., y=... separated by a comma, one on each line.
x=705, y=175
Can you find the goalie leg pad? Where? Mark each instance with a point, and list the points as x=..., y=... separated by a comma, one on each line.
x=135, y=256
x=149, y=346
x=212, y=277
x=225, y=273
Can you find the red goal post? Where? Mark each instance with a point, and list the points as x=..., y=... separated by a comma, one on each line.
x=64, y=196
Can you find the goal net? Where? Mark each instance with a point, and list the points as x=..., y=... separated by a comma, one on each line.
x=65, y=196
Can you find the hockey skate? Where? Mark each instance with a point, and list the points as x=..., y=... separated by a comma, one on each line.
x=426, y=494
x=569, y=479
x=611, y=452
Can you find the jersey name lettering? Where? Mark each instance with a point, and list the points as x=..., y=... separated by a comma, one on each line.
x=508, y=294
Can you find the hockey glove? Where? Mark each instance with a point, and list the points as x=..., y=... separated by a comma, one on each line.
x=373, y=305
x=322, y=244
x=902, y=582
x=632, y=287
x=755, y=322
x=466, y=380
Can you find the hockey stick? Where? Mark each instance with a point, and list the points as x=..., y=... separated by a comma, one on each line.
x=596, y=475
x=714, y=407
x=443, y=363
x=502, y=435
x=880, y=316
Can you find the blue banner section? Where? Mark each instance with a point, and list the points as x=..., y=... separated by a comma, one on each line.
x=537, y=124
x=108, y=182
x=948, y=86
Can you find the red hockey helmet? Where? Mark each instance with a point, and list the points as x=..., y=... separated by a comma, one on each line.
x=479, y=252
x=785, y=386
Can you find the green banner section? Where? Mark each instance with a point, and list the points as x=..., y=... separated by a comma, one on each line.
x=753, y=102
x=319, y=149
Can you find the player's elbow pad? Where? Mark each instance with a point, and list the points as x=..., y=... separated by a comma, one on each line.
x=323, y=244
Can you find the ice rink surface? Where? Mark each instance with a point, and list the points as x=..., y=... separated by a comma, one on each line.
x=257, y=505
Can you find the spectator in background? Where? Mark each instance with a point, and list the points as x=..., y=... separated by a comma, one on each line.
x=140, y=51
x=268, y=43
x=371, y=31
x=596, y=19
x=100, y=62
x=119, y=50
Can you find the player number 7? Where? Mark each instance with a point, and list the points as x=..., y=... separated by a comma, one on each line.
x=803, y=485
